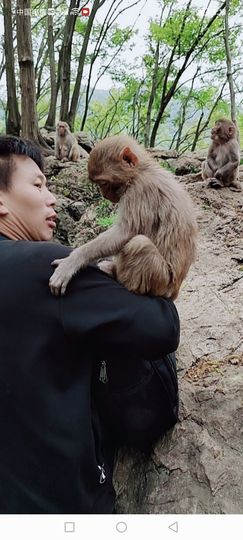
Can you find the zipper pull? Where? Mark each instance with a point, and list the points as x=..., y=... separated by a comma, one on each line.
x=102, y=474
x=103, y=373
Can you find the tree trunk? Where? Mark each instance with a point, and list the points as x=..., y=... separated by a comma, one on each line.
x=229, y=63
x=66, y=59
x=151, y=97
x=76, y=93
x=29, y=123
x=184, y=111
x=154, y=87
x=13, y=115
x=197, y=133
x=51, y=119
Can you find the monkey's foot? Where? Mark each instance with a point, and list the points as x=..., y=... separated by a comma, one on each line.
x=62, y=275
x=214, y=183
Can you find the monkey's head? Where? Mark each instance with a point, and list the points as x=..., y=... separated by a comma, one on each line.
x=62, y=128
x=223, y=131
x=113, y=165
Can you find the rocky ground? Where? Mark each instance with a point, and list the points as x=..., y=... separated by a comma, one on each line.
x=198, y=466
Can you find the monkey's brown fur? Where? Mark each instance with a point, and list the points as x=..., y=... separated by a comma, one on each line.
x=154, y=237
x=66, y=146
x=221, y=168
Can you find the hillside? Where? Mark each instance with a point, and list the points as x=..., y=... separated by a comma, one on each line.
x=198, y=466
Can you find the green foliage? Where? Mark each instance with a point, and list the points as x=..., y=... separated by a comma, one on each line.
x=240, y=127
x=165, y=164
x=105, y=222
x=104, y=207
x=105, y=216
x=119, y=36
x=80, y=26
x=149, y=78
x=184, y=24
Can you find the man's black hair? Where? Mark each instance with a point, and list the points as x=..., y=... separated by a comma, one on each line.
x=15, y=146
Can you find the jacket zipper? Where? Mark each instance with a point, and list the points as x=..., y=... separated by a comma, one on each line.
x=103, y=372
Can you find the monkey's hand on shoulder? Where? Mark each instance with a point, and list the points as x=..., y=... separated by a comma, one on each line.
x=108, y=267
x=65, y=269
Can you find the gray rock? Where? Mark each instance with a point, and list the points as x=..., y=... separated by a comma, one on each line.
x=76, y=210
x=187, y=165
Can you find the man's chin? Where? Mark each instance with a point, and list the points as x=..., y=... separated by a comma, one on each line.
x=47, y=236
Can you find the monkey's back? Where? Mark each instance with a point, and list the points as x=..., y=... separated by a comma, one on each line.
x=163, y=211
x=177, y=231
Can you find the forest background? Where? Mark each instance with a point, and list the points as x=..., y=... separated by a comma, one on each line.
x=157, y=70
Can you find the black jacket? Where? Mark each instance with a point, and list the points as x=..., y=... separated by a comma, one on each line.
x=54, y=457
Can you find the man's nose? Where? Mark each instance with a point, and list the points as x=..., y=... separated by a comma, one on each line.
x=51, y=199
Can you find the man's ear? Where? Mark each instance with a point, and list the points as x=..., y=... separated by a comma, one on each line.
x=3, y=209
x=129, y=156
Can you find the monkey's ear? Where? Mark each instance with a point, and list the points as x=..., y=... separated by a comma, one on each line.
x=128, y=156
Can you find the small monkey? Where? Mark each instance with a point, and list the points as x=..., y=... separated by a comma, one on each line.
x=66, y=146
x=221, y=168
x=154, y=238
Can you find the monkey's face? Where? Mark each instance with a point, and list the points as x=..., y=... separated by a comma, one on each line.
x=111, y=190
x=112, y=168
x=62, y=128
x=223, y=131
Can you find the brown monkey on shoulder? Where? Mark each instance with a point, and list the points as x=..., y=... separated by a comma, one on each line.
x=154, y=238
x=66, y=146
x=221, y=168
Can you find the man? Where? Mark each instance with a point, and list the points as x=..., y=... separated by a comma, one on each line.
x=65, y=361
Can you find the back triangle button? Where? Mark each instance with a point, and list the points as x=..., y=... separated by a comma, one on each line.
x=174, y=526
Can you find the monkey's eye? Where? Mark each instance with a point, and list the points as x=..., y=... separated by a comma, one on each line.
x=103, y=183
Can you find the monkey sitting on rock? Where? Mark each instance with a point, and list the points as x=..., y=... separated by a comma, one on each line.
x=66, y=146
x=154, y=238
x=221, y=168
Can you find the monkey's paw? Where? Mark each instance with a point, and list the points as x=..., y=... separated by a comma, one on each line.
x=108, y=267
x=61, y=277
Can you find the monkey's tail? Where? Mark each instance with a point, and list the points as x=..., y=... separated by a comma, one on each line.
x=142, y=269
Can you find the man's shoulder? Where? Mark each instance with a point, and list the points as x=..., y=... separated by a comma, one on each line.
x=34, y=252
x=40, y=250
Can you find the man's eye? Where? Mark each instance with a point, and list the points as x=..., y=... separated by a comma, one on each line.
x=38, y=185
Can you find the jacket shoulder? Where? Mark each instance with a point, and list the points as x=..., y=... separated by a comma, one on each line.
x=40, y=251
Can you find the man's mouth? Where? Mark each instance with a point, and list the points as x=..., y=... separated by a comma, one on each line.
x=51, y=220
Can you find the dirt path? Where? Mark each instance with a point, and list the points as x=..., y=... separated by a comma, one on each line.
x=210, y=303
x=198, y=467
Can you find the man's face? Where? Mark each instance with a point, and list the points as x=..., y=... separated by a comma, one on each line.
x=27, y=209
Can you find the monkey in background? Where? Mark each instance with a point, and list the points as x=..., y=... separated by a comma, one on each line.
x=221, y=168
x=66, y=146
x=154, y=238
